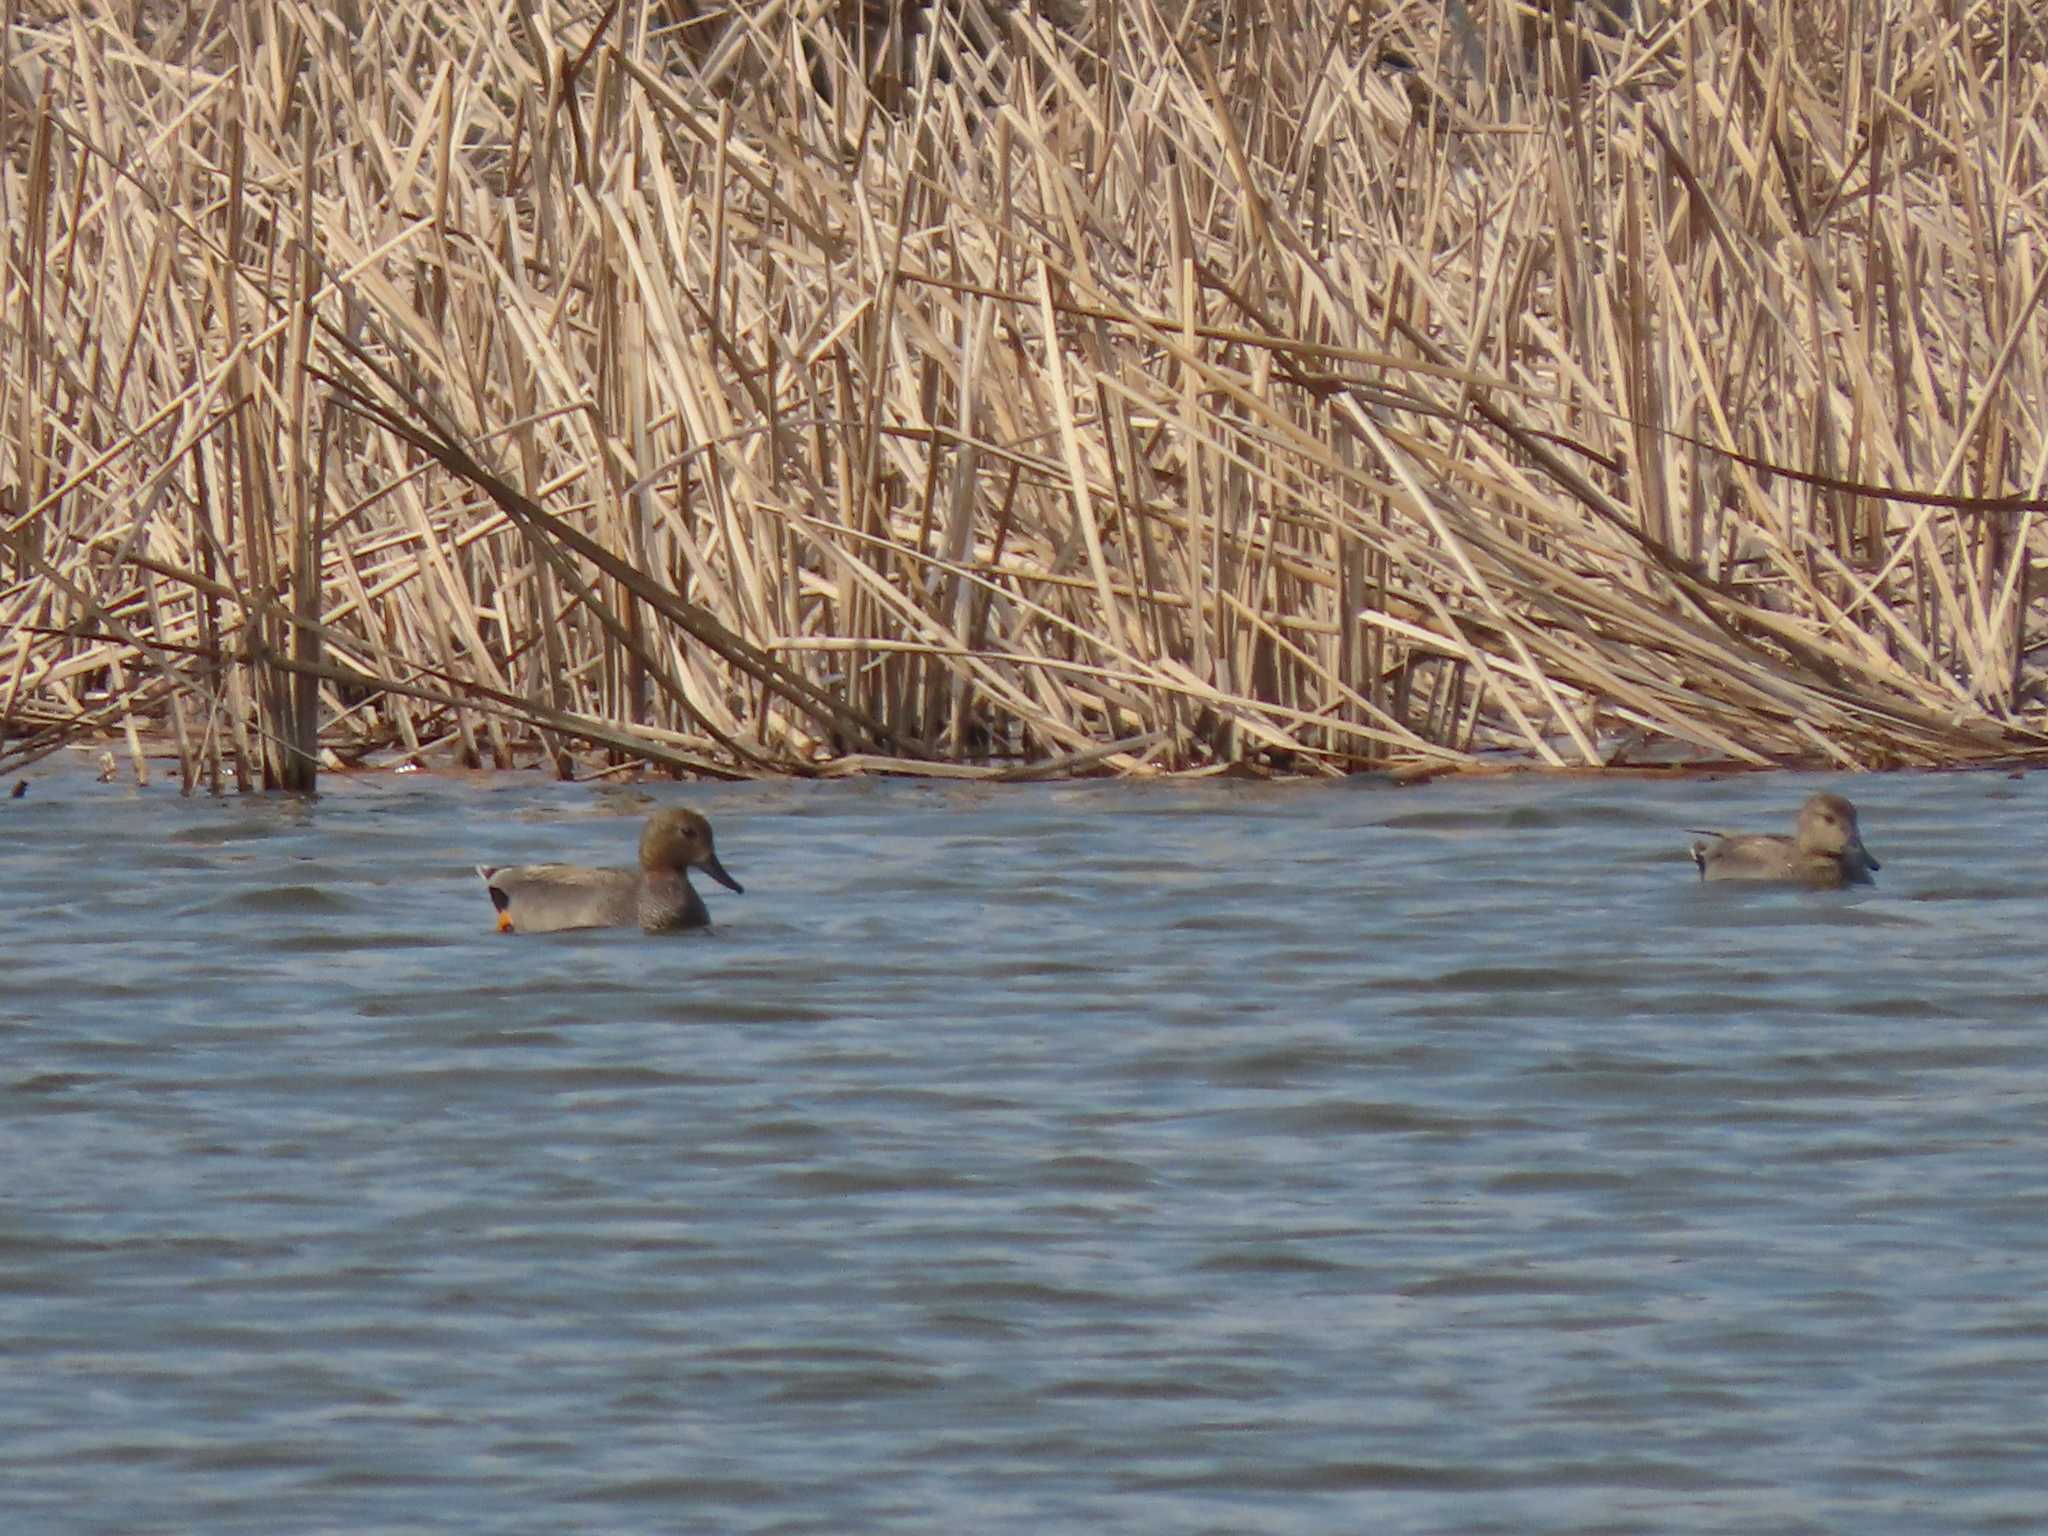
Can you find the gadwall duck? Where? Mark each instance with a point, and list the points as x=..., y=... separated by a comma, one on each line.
x=544, y=898
x=1827, y=851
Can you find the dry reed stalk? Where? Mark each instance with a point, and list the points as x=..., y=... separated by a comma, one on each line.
x=1019, y=390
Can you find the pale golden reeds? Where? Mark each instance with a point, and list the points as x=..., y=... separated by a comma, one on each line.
x=1109, y=387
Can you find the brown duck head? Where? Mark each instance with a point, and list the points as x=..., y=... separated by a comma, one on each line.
x=678, y=840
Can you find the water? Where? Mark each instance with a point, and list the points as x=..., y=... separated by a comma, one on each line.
x=1096, y=1157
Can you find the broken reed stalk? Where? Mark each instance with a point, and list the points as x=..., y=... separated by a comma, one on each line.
x=1007, y=390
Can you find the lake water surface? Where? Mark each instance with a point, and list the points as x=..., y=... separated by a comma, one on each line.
x=1093, y=1157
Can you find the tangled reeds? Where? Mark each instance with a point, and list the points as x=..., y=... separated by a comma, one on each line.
x=1011, y=389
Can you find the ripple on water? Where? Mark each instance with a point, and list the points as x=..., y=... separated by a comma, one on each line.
x=1204, y=1157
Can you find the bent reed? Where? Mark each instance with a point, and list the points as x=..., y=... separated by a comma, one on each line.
x=1017, y=389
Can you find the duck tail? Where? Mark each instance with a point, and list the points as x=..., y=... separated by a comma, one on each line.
x=500, y=902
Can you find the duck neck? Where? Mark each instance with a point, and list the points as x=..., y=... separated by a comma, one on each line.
x=667, y=901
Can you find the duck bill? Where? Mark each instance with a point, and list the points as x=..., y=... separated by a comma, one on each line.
x=710, y=865
x=1863, y=853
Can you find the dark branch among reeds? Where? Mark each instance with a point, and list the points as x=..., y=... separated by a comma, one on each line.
x=1013, y=388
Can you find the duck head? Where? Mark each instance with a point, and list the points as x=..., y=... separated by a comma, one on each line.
x=1827, y=825
x=678, y=839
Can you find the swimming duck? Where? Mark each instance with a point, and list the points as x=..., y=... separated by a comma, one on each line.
x=543, y=898
x=1827, y=852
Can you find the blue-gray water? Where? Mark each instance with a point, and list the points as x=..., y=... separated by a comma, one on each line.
x=1087, y=1158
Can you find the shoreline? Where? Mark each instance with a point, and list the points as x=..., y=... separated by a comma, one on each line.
x=110, y=758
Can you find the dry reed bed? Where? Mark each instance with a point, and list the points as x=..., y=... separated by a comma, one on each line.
x=762, y=389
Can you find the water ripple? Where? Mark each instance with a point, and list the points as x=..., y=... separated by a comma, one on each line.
x=1205, y=1157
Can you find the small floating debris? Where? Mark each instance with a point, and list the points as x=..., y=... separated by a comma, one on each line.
x=108, y=767
x=20, y=789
